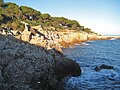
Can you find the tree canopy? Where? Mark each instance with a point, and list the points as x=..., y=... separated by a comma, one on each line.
x=1, y=3
x=29, y=11
x=11, y=15
x=11, y=9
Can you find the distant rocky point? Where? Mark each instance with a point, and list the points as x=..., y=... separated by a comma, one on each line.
x=38, y=35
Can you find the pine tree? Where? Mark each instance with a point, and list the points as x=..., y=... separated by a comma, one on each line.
x=1, y=2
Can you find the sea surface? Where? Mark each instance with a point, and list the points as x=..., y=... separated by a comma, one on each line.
x=91, y=54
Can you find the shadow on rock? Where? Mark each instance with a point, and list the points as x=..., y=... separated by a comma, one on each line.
x=28, y=67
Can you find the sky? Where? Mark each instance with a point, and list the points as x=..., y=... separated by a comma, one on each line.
x=101, y=16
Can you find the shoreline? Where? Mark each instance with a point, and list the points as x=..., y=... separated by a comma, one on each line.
x=49, y=44
x=117, y=37
x=54, y=39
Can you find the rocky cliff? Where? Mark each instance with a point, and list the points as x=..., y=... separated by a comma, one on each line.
x=28, y=67
x=40, y=36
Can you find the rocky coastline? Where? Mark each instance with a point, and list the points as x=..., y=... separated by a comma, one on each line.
x=31, y=56
x=32, y=59
x=24, y=66
x=41, y=36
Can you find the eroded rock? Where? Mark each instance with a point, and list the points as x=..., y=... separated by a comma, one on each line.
x=29, y=67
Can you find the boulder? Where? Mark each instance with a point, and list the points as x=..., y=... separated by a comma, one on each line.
x=26, y=34
x=103, y=66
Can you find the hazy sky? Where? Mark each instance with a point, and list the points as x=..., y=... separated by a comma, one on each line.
x=102, y=16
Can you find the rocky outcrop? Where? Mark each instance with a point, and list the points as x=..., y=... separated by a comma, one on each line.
x=103, y=66
x=28, y=67
x=26, y=34
x=41, y=36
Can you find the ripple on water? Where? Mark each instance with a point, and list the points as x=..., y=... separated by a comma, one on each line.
x=90, y=79
x=95, y=54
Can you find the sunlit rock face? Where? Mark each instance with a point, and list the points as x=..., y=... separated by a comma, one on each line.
x=51, y=39
x=28, y=67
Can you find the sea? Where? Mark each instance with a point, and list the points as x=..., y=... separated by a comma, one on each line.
x=89, y=55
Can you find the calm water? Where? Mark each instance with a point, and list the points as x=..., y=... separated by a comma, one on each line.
x=92, y=54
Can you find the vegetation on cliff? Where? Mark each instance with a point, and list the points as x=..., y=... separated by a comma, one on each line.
x=1, y=2
x=11, y=15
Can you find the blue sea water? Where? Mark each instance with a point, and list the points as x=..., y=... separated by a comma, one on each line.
x=91, y=54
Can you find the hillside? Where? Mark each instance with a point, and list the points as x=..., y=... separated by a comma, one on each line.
x=11, y=16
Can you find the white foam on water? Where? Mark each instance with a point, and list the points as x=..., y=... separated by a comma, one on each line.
x=84, y=43
x=113, y=39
